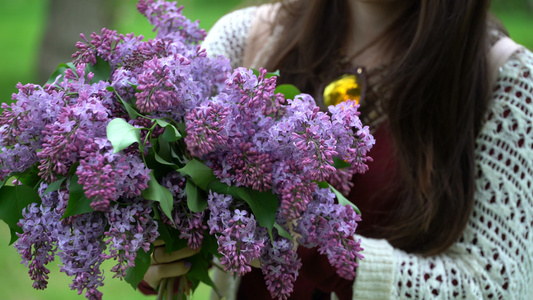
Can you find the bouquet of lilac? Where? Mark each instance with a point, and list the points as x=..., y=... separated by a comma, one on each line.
x=141, y=140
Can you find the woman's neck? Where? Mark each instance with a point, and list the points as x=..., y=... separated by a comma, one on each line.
x=370, y=20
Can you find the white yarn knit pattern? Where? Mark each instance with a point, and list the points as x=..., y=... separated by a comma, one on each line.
x=494, y=257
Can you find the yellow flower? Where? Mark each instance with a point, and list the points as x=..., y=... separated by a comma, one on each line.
x=346, y=87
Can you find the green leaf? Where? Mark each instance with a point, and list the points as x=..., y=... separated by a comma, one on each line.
x=30, y=177
x=162, y=161
x=171, y=133
x=288, y=90
x=121, y=134
x=200, y=174
x=339, y=163
x=196, y=200
x=282, y=232
x=4, y=181
x=163, y=155
x=132, y=113
x=263, y=205
x=134, y=275
x=159, y=193
x=163, y=147
x=169, y=236
x=342, y=200
x=323, y=185
x=199, y=270
x=60, y=70
x=222, y=188
x=54, y=186
x=78, y=203
x=14, y=236
x=268, y=74
x=272, y=74
x=161, y=122
x=210, y=244
x=177, y=243
x=177, y=156
x=101, y=70
x=164, y=233
x=13, y=199
x=182, y=127
x=110, y=89
x=73, y=168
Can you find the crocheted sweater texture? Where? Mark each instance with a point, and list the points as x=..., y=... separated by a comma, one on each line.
x=494, y=257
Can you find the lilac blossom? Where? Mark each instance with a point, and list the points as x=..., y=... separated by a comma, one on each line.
x=190, y=224
x=157, y=90
x=295, y=191
x=314, y=146
x=206, y=128
x=41, y=224
x=64, y=139
x=81, y=246
x=220, y=214
x=331, y=228
x=21, y=125
x=102, y=45
x=131, y=228
x=240, y=239
x=77, y=242
x=169, y=21
x=354, y=140
x=280, y=265
x=37, y=245
x=107, y=176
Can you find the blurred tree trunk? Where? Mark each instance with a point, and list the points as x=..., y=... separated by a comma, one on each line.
x=66, y=20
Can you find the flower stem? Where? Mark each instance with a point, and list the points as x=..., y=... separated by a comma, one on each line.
x=162, y=285
x=170, y=288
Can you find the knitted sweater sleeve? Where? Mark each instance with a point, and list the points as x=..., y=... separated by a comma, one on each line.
x=229, y=35
x=493, y=258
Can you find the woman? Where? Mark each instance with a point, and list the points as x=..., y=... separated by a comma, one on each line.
x=448, y=203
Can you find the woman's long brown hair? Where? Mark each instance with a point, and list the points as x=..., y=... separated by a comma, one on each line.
x=438, y=90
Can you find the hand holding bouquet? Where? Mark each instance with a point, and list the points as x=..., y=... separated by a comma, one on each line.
x=138, y=140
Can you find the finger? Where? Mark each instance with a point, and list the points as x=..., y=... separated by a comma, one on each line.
x=161, y=257
x=156, y=273
x=158, y=242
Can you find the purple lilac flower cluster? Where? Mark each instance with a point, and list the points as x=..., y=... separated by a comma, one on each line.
x=60, y=127
x=63, y=125
x=81, y=241
x=280, y=265
x=250, y=136
x=131, y=228
x=240, y=238
x=77, y=241
x=331, y=228
x=190, y=224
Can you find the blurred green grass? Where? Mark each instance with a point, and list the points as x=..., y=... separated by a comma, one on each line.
x=21, y=24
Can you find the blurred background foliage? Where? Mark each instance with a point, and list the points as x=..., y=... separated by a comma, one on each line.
x=28, y=27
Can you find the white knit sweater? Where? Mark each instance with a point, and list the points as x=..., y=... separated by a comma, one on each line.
x=494, y=257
